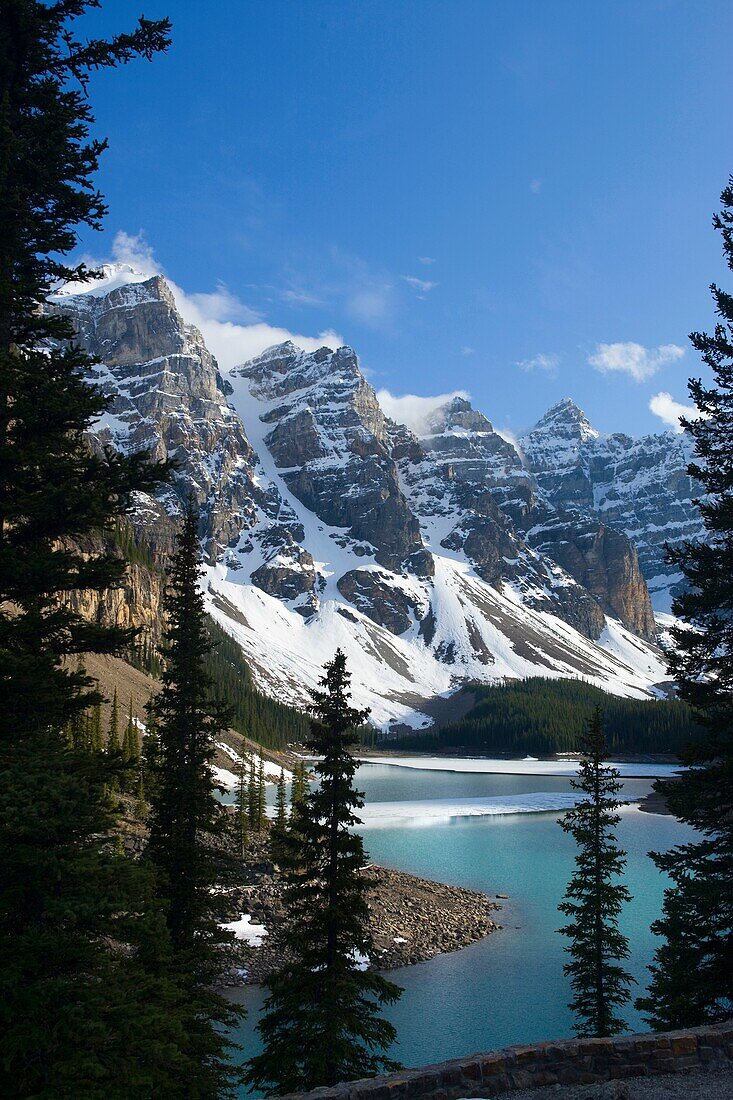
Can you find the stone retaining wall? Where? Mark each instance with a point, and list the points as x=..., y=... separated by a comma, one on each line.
x=569, y=1062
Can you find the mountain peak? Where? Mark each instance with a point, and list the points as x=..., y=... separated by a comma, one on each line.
x=113, y=277
x=457, y=414
x=568, y=419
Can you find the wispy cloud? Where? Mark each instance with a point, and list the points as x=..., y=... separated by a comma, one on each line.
x=426, y=259
x=222, y=305
x=423, y=285
x=467, y=350
x=638, y=362
x=372, y=305
x=299, y=297
x=415, y=411
x=535, y=187
x=232, y=331
x=547, y=363
x=664, y=406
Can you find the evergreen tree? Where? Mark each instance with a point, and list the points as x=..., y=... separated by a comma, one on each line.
x=53, y=488
x=113, y=733
x=95, y=736
x=299, y=786
x=252, y=799
x=261, y=793
x=114, y=747
x=280, y=824
x=150, y=755
x=130, y=752
x=322, y=1021
x=185, y=816
x=241, y=812
x=78, y=1017
x=281, y=803
x=692, y=974
x=594, y=897
x=130, y=740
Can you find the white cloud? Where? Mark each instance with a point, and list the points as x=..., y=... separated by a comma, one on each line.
x=415, y=411
x=546, y=363
x=372, y=305
x=535, y=187
x=231, y=330
x=423, y=285
x=426, y=259
x=135, y=251
x=467, y=350
x=222, y=305
x=633, y=359
x=667, y=409
x=233, y=344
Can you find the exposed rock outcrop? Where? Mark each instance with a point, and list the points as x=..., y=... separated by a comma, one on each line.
x=636, y=486
x=463, y=468
x=166, y=399
x=330, y=440
x=427, y=560
x=383, y=602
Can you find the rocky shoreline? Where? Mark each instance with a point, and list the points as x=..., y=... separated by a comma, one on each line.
x=411, y=919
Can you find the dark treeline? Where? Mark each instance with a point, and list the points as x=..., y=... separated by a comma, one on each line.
x=264, y=720
x=545, y=716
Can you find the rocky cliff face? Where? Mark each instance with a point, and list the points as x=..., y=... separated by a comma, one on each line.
x=325, y=524
x=328, y=436
x=135, y=603
x=637, y=486
x=491, y=486
x=168, y=399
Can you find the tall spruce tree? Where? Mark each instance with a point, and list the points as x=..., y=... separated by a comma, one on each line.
x=241, y=810
x=281, y=802
x=185, y=816
x=113, y=732
x=261, y=792
x=299, y=787
x=95, y=733
x=252, y=799
x=280, y=821
x=322, y=1021
x=692, y=974
x=78, y=1016
x=595, y=897
x=130, y=752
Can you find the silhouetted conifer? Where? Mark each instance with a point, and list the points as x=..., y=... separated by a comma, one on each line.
x=322, y=1021
x=88, y=1004
x=241, y=811
x=692, y=974
x=185, y=816
x=595, y=895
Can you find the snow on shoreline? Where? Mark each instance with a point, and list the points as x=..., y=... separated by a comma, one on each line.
x=529, y=766
x=243, y=929
x=441, y=811
x=436, y=811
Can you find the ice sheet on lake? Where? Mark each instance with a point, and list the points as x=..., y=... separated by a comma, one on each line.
x=515, y=767
x=434, y=810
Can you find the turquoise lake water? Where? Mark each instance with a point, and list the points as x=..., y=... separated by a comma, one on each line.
x=508, y=988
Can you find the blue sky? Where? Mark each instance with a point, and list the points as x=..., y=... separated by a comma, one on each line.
x=510, y=198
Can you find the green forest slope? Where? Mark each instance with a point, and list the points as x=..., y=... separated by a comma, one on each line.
x=541, y=716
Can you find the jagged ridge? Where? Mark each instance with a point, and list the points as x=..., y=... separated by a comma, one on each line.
x=325, y=523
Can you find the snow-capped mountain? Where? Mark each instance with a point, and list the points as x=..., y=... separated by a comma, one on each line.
x=430, y=561
x=639, y=486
